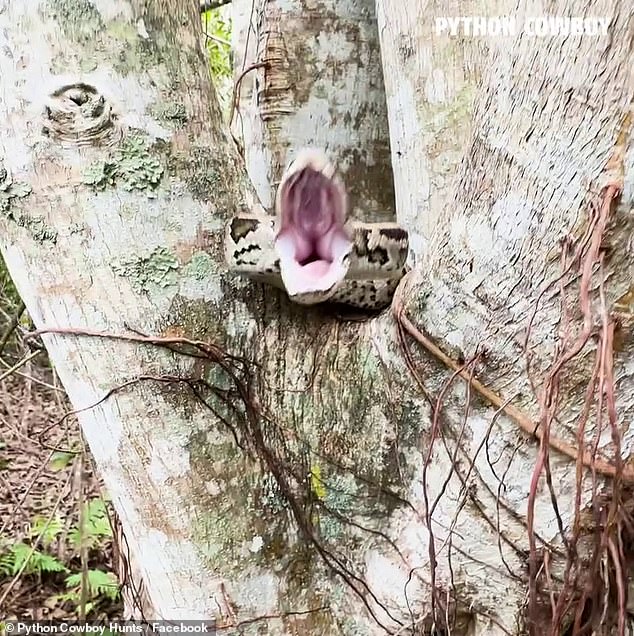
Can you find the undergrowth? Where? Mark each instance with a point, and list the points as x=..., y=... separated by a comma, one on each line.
x=54, y=561
x=24, y=558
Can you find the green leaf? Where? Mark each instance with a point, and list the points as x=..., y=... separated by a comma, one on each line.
x=96, y=525
x=36, y=561
x=49, y=532
x=100, y=583
x=6, y=563
x=21, y=553
x=317, y=483
x=87, y=609
x=104, y=583
x=218, y=32
x=48, y=563
x=61, y=460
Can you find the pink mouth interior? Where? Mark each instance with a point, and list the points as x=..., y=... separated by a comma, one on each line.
x=316, y=269
x=314, y=254
x=312, y=234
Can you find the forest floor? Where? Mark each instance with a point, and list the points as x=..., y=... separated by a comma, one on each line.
x=46, y=478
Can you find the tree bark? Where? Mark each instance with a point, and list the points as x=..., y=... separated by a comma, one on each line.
x=314, y=483
x=499, y=146
x=116, y=182
x=309, y=74
x=212, y=4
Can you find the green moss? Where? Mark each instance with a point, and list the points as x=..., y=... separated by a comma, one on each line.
x=270, y=495
x=201, y=266
x=145, y=272
x=341, y=495
x=352, y=626
x=40, y=230
x=137, y=167
x=227, y=478
x=99, y=175
x=11, y=192
x=61, y=62
x=37, y=227
x=223, y=533
x=350, y=437
x=123, y=30
x=79, y=20
x=134, y=166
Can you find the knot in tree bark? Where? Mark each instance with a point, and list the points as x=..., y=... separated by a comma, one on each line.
x=78, y=113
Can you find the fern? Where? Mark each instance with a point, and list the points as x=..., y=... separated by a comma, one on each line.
x=6, y=562
x=96, y=525
x=20, y=557
x=12, y=561
x=100, y=584
x=49, y=529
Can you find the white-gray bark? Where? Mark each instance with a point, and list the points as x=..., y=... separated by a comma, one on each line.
x=498, y=145
x=310, y=75
x=108, y=200
x=301, y=503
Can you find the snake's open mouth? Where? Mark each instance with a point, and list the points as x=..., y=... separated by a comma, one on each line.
x=313, y=266
x=312, y=242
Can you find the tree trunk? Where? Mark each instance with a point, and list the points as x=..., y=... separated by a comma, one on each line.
x=288, y=470
x=499, y=147
x=116, y=178
x=310, y=75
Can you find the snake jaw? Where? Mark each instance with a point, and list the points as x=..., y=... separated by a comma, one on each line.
x=312, y=242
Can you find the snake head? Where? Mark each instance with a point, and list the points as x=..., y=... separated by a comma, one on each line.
x=312, y=242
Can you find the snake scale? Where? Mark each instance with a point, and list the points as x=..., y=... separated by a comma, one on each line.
x=310, y=249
